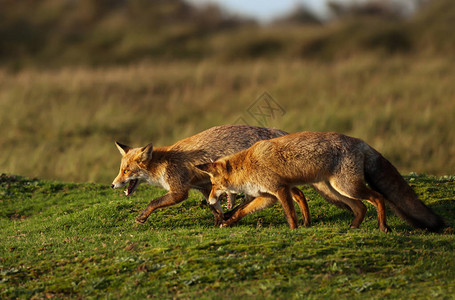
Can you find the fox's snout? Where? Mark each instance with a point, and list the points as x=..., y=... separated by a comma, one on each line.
x=116, y=185
x=214, y=195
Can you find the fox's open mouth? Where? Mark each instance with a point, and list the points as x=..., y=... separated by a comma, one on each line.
x=131, y=187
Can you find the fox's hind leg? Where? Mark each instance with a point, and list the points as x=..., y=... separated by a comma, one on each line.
x=299, y=197
x=284, y=196
x=257, y=204
x=356, y=189
x=331, y=195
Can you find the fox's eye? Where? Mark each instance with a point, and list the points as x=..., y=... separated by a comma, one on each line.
x=125, y=171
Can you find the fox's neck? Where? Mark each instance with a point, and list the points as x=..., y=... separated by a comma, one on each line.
x=239, y=167
x=162, y=158
x=160, y=154
x=246, y=177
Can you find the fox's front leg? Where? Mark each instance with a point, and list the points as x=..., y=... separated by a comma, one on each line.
x=248, y=206
x=217, y=213
x=171, y=198
x=227, y=215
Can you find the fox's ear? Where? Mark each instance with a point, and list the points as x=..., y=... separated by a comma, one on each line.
x=146, y=152
x=207, y=168
x=228, y=166
x=122, y=148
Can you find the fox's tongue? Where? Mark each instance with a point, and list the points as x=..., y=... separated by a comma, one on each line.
x=131, y=187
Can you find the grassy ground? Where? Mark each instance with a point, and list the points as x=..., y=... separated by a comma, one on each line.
x=80, y=240
x=62, y=124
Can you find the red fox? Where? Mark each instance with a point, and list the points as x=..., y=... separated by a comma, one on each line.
x=336, y=165
x=173, y=167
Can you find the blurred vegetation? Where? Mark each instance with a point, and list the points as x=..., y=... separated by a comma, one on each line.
x=63, y=123
x=77, y=75
x=55, y=32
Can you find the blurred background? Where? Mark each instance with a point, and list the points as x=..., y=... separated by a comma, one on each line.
x=77, y=75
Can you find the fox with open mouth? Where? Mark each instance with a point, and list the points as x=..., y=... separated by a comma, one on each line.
x=173, y=167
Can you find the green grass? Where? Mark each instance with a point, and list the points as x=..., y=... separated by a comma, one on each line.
x=81, y=241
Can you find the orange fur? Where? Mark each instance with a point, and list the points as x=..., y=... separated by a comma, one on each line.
x=337, y=166
x=173, y=167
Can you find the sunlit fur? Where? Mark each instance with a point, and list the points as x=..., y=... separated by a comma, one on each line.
x=173, y=167
x=336, y=165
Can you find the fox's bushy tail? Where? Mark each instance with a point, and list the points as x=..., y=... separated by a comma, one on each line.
x=384, y=178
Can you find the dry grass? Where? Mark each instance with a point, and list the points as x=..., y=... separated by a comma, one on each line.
x=62, y=123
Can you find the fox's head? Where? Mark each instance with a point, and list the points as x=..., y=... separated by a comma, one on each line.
x=132, y=167
x=219, y=172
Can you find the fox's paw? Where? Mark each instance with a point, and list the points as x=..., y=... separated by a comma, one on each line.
x=141, y=219
x=306, y=224
x=386, y=229
x=217, y=222
x=354, y=226
x=227, y=215
x=229, y=223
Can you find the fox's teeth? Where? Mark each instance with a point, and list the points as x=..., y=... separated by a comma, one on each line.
x=126, y=192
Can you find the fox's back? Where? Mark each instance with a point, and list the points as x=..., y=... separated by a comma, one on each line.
x=306, y=154
x=220, y=141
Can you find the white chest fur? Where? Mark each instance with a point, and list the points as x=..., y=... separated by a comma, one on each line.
x=251, y=189
x=159, y=181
